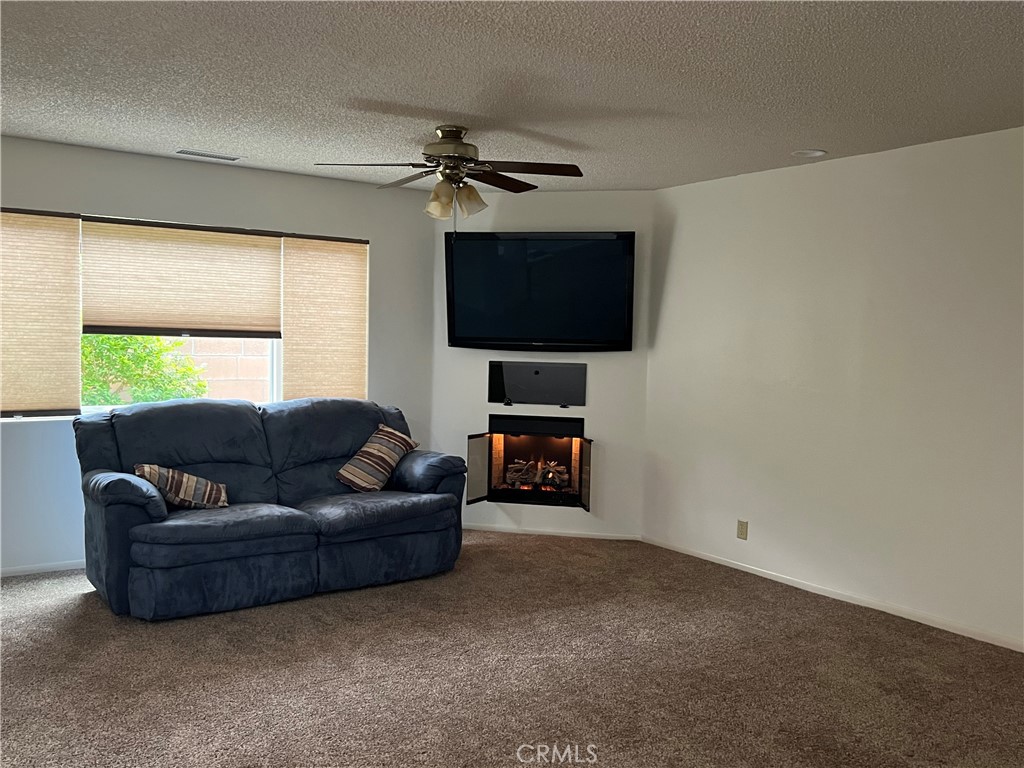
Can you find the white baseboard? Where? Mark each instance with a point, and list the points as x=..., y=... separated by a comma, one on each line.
x=545, y=532
x=25, y=570
x=1013, y=643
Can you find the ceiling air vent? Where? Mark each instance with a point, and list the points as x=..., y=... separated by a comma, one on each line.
x=208, y=155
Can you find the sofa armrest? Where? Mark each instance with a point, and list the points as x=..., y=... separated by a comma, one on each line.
x=424, y=471
x=106, y=487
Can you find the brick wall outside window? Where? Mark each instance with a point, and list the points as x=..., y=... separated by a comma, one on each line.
x=233, y=367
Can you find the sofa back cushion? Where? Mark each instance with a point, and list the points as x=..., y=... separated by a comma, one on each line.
x=95, y=443
x=312, y=438
x=218, y=440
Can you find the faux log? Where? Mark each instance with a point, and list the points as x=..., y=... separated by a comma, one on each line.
x=536, y=473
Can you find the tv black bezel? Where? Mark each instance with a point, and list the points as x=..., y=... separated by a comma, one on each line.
x=560, y=345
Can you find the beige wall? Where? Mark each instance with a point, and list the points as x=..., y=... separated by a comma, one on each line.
x=836, y=357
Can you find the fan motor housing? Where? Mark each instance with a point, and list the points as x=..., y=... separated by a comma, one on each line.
x=451, y=144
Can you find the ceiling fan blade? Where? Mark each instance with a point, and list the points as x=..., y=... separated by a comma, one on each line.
x=416, y=176
x=381, y=165
x=501, y=181
x=547, y=169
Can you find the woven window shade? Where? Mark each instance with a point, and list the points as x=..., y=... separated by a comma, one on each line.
x=153, y=280
x=41, y=315
x=325, y=310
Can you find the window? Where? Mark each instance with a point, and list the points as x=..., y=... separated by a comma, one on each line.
x=101, y=311
x=119, y=369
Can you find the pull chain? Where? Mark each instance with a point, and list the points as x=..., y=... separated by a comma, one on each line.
x=455, y=208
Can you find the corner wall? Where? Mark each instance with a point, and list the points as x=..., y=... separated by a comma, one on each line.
x=616, y=381
x=41, y=501
x=836, y=357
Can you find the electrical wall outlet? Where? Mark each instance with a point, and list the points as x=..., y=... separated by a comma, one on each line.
x=741, y=529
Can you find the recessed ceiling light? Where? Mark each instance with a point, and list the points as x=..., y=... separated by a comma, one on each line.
x=809, y=153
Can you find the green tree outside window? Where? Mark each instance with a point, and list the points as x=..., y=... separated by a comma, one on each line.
x=137, y=369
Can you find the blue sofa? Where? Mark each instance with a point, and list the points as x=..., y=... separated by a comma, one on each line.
x=292, y=529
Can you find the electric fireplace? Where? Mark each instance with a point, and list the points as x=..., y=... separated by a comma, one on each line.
x=530, y=460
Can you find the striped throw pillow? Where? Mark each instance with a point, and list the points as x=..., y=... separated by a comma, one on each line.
x=373, y=464
x=183, y=489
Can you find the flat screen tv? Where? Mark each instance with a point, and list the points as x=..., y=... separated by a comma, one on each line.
x=553, y=291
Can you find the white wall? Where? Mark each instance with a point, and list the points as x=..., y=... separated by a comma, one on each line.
x=41, y=511
x=832, y=352
x=616, y=381
x=837, y=358
x=36, y=531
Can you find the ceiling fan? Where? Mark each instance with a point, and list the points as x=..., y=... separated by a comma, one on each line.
x=455, y=163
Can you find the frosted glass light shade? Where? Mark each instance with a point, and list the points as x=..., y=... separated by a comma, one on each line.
x=469, y=200
x=439, y=206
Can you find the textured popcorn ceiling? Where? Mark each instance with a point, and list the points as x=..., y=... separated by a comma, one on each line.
x=640, y=95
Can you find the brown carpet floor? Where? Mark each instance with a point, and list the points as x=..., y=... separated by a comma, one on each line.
x=655, y=658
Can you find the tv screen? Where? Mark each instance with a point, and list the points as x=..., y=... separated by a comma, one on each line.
x=557, y=291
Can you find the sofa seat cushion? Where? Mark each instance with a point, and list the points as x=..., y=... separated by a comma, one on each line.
x=175, y=555
x=438, y=521
x=236, y=522
x=348, y=514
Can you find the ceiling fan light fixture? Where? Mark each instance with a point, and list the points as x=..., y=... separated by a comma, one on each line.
x=469, y=200
x=439, y=206
x=454, y=161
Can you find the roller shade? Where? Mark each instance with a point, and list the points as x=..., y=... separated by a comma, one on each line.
x=165, y=280
x=324, y=324
x=41, y=315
